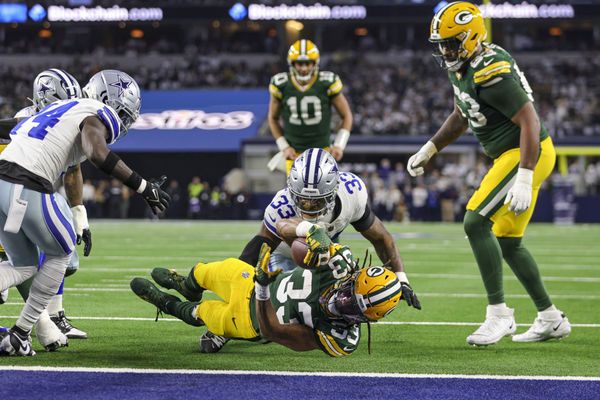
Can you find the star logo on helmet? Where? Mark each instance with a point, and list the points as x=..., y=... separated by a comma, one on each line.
x=121, y=84
x=44, y=88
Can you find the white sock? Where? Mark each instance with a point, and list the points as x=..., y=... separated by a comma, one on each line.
x=44, y=286
x=498, y=307
x=551, y=308
x=55, y=305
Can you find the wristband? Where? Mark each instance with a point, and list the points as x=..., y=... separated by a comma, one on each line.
x=402, y=277
x=262, y=292
x=303, y=228
x=429, y=148
x=281, y=143
x=136, y=182
x=341, y=138
x=109, y=163
x=525, y=175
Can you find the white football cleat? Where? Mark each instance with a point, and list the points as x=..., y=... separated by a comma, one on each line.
x=15, y=343
x=3, y=296
x=498, y=324
x=48, y=334
x=548, y=325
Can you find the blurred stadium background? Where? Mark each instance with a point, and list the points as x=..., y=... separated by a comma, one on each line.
x=204, y=67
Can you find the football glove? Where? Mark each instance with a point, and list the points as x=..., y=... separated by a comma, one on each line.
x=318, y=247
x=409, y=296
x=417, y=161
x=262, y=275
x=82, y=228
x=519, y=195
x=157, y=199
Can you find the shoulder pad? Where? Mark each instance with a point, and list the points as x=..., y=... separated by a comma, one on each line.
x=492, y=63
x=278, y=81
x=110, y=118
x=332, y=81
x=279, y=208
x=25, y=112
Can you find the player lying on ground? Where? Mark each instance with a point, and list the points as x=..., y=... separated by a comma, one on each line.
x=320, y=307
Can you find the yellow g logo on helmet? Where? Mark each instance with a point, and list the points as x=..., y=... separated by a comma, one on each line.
x=461, y=22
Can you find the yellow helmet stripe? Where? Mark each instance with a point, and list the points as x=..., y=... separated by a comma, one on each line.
x=275, y=91
x=331, y=346
x=335, y=88
x=496, y=68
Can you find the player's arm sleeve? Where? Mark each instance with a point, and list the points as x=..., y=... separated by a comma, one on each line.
x=365, y=221
x=6, y=125
x=252, y=250
x=332, y=346
x=336, y=87
x=505, y=95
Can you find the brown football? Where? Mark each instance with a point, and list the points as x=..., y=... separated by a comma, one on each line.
x=299, y=250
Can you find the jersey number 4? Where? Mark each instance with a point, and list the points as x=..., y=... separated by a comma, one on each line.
x=45, y=119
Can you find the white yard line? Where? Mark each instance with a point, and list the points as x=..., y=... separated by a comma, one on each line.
x=293, y=373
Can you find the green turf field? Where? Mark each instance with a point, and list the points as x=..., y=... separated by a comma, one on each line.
x=439, y=264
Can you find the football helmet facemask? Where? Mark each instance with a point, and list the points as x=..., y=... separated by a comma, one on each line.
x=313, y=182
x=366, y=296
x=457, y=31
x=119, y=91
x=52, y=85
x=303, y=51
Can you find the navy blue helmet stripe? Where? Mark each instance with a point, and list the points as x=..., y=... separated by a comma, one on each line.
x=316, y=171
x=68, y=82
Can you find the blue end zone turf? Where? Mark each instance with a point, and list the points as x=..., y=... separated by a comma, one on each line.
x=66, y=385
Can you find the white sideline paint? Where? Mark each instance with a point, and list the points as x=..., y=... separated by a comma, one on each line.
x=294, y=373
x=432, y=323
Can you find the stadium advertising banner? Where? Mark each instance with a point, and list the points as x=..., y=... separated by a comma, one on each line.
x=195, y=120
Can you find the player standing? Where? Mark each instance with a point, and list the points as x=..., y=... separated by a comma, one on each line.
x=303, y=97
x=493, y=98
x=42, y=147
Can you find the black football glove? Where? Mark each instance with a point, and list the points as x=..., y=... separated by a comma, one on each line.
x=157, y=199
x=409, y=296
x=86, y=236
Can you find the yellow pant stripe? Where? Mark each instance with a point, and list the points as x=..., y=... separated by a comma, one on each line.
x=330, y=345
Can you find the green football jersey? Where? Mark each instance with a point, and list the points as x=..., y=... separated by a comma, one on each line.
x=296, y=295
x=306, y=110
x=493, y=77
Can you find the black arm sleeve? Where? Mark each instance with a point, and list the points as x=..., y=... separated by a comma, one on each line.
x=6, y=126
x=365, y=221
x=252, y=249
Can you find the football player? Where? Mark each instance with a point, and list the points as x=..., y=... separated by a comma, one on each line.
x=258, y=302
x=303, y=97
x=318, y=194
x=42, y=147
x=493, y=98
x=53, y=330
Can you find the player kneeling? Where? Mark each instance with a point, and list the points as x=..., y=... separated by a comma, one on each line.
x=260, y=303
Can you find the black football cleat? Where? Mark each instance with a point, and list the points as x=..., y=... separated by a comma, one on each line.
x=170, y=279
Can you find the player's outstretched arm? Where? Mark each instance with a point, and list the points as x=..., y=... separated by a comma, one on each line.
x=93, y=140
x=73, y=181
x=454, y=126
x=389, y=254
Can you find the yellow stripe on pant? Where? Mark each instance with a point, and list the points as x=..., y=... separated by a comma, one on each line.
x=488, y=200
x=231, y=280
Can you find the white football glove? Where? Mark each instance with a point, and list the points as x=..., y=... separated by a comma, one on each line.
x=82, y=228
x=519, y=195
x=417, y=161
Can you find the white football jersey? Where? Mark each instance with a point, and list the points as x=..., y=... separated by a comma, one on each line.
x=25, y=112
x=353, y=197
x=49, y=142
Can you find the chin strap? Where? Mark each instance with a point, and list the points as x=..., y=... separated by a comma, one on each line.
x=369, y=337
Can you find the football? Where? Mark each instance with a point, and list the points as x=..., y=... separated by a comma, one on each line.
x=299, y=250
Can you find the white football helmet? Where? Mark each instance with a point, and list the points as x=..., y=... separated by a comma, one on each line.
x=119, y=91
x=313, y=182
x=52, y=85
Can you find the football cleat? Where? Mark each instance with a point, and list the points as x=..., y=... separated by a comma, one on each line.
x=62, y=322
x=498, y=324
x=16, y=343
x=49, y=335
x=547, y=325
x=170, y=279
x=211, y=343
x=150, y=293
x=3, y=296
